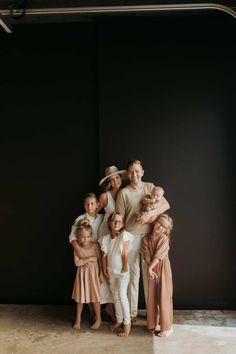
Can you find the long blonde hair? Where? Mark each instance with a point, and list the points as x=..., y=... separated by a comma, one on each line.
x=169, y=219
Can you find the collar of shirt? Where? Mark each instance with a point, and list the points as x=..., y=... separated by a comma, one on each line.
x=90, y=218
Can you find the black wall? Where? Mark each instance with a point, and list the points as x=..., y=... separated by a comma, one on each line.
x=76, y=98
x=168, y=86
x=49, y=156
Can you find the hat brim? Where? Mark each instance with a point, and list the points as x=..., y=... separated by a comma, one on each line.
x=123, y=174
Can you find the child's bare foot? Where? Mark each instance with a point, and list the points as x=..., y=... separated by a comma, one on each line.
x=115, y=326
x=151, y=330
x=165, y=333
x=92, y=317
x=96, y=324
x=126, y=331
x=76, y=325
x=133, y=319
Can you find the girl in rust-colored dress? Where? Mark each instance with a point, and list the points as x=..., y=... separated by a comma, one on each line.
x=87, y=282
x=155, y=248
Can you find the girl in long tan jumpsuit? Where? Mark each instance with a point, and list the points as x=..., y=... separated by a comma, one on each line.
x=155, y=248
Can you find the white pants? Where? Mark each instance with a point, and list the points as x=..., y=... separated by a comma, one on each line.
x=119, y=286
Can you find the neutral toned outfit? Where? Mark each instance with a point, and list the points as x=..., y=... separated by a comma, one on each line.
x=87, y=285
x=106, y=295
x=94, y=222
x=159, y=294
x=112, y=248
x=129, y=203
x=111, y=205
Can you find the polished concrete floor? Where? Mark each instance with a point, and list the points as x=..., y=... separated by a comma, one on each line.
x=40, y=329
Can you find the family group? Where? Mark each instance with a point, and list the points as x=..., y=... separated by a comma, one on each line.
x=110, y=248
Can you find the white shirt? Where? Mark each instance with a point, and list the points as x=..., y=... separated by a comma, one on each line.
x=112, y=248
x=94, y=222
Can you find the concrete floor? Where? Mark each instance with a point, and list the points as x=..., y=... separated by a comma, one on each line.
x=40, y=329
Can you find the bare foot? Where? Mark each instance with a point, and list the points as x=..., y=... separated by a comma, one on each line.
x=92, y=317
x=126, y=331
x=152, y=330
x=96, y=324
x=165, y=333
x=115, y=326
x=133, y=319
x=77, y=325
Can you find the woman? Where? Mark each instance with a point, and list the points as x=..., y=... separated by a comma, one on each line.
x=111, y=185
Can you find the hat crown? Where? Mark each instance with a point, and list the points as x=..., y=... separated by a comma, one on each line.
x=111, y=169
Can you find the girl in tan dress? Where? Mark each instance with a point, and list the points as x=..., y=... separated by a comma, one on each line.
x=155, y=248
x=87, y=282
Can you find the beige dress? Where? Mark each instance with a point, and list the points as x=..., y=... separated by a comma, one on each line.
x=159, y=295
x=87, y=285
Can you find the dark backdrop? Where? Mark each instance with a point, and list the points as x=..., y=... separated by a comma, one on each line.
x=49, y=156
x=167, y=93
x=76, y=98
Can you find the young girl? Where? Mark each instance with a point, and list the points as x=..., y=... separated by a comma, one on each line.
x=115, y=247
x=87, y=283
x=155, y=247
x=91, y=207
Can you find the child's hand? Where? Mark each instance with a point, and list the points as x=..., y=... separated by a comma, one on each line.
x=85, y=265
x=152, y=274
x=101, y=278
x=124, y=270
x=106, y=275
x=92, y=259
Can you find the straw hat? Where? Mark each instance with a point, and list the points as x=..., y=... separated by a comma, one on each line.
x=110, y=171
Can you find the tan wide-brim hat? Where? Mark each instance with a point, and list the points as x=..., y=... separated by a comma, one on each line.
x=110, y=171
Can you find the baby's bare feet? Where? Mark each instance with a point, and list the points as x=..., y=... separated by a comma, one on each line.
x=126, y=331
x=115, y=326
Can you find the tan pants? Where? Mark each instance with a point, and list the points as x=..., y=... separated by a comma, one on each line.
x=134, y=265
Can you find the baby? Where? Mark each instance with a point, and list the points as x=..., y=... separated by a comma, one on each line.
x=151, y=202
